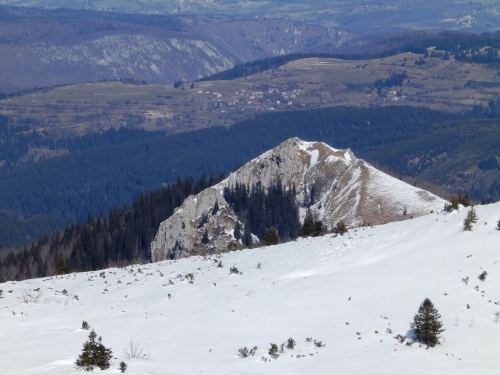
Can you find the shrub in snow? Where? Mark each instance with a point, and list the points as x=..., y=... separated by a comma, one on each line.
x=94, y=354
x=340, y=228
x=470, y=219
x=234, y=270
x=318, y=344
x=243, y=352
x=497, y=316
x=220, y=265
x=134, y=351
x=483, y=275
x=85, y=325
x=273, y=350
x=28, y=296
x=426, y=325
x=290, y=344
x=401, y=339
x=498, y=225
x=1, y=293
x=123, y=366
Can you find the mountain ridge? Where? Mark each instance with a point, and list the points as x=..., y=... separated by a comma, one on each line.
x=332, y=184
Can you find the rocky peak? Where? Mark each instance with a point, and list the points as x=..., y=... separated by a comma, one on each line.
x=332, y=183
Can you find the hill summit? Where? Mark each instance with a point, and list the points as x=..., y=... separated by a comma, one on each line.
x=333, y=184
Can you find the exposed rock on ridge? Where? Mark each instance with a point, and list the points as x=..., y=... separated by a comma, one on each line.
x=333, y=183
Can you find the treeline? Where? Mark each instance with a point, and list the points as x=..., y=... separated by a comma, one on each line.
x=260, y=209
x=121, y=237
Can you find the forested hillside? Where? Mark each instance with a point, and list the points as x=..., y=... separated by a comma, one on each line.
x=98, y=179
x=121, y=237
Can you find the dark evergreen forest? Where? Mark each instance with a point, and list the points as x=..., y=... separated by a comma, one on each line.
x=97, y=179
x=260, y=209
x=121, y=237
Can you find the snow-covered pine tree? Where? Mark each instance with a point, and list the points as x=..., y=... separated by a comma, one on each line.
x=94, y=354
x=426, y=324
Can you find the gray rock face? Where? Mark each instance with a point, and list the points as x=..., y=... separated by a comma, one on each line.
x=333, y=184
x=182, y=233
x=97, y=46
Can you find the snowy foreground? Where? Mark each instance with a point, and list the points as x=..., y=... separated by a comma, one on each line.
x=371, y=278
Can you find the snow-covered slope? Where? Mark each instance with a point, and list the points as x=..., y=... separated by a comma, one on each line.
x=336, y=185
x=328, y=288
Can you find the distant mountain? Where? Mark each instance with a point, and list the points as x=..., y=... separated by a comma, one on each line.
x=52, y=47
x=332, y=183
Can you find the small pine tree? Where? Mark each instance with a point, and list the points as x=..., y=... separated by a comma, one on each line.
x=216, y=208
x=61, y=267
x=482, y=276
x=271, y=237
x=273, y=350
x=319, y=228
x=307, y=227
x=340, y=228
x=290, y=344
x=85, y=325
x=94, y=354
x=498, y=225
x=470, y=219
x=426, y=324
x=123, y=366
x=205, y=238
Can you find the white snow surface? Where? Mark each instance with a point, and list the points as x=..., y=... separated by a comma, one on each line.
x=308, y=288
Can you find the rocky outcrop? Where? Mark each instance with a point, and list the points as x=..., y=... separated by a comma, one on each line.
x=332, y=183
x=183, y=232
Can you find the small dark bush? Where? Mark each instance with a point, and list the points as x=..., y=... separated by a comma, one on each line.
x=85, y=325
x=123, y=366
x=243, y=352
x=273, y=350
x=483, y=275
x=290, y=344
